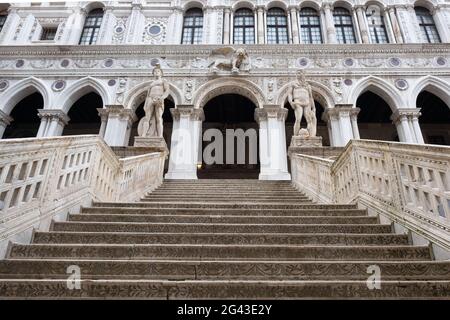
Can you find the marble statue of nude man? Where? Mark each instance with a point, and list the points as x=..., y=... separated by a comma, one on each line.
x=301, y=100
x=151, y=125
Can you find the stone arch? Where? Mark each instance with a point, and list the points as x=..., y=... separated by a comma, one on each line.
x=277, y=4
x=434, y=85
x=343, y=4
x=381, y=88
x=88, y=7
x=228, y=85
x=310, y=4
x=194, y=4
x=377, y=3
x=320, y=93
x=243, y=4
x=136, y=95
x=427, y=4
x=21, y=90
x=81, y=87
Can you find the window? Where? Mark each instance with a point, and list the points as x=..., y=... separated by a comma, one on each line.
x=377, y=27
x=310, y=26
x=2, y=20
x=428, y=28
x=193, y=27
x=244, y=27
x=48, y=34
x=277, y=30
x=343, y=23
x=91, y=27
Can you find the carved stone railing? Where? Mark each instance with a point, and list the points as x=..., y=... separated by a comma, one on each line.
x=44, y=177
x=408, y=183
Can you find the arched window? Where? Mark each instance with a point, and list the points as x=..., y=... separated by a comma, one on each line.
x=428, y=28
x=343, y=23
x=3, y=16
x=277, y=30
x=244, y=27
x=377, y=26
x=193, y=26
x=91, y=27
x=310, y=26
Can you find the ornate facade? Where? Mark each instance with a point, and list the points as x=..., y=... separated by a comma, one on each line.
x=395, y=51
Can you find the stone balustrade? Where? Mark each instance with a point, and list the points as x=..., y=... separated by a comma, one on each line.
x=406, y=183
x=42, y=179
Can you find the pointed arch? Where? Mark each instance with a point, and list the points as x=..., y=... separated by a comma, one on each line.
x=220, y=86
x=136, y=95
x=81, y=87
x=434, y=85
x=21, y=90
x=381, y=88
x=320, y=92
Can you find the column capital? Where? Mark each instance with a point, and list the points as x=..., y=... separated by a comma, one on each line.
x=327, y=6
x=54, y=114
x=340, y=109
x=177, y=9
x=260, y=8
x=293, y=7
x=118, y=111
x=405, y=113
x=103, y=113
x=5, y=119
x=270, y=111
x=188, y=110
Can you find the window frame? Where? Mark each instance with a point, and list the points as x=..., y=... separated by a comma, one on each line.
x=3, y=18
x=97, y=16
x=342, y=26
x=195, y=14
x=277, y=26
x=374, y=30
x=310, y=27
x=244, y=26
x=422, y=12
x=44, y=32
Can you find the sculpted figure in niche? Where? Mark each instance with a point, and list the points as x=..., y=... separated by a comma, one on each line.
x=228, y=58
x=301, y=100
x=151, y=125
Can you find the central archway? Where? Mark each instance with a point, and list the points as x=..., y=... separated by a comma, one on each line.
x=230, y=139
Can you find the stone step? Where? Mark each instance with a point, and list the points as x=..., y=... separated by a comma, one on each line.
x=216, y=227
x=221, y=219
x=225, y=199
x=227, y=212
x=209, y=289
x=222, y=205
x=219, y=238
x=222, y=270
x=219, y=252
x=225, y=195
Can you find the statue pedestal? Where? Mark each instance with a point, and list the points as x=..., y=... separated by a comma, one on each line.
x=151, y=142
x=306, y=142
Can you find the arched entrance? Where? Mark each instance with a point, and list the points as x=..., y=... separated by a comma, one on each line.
x=167, y=121
x=83, y=114
x=435, y=119
x=26, y=120
x=374, y=119
x=322, y=130
x=230, y=139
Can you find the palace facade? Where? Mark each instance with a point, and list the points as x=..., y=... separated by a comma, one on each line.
x=379, y=70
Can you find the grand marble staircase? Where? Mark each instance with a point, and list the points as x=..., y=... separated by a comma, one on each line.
x=222, y=239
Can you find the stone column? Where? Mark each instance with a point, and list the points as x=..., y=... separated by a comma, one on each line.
x=295, y=25
x=441, y=23
x=103, y=113
x=360, y=12
x=176, y=25
x=416, y=127
x=134, y=22
x=184, y=146
x=11, y=24
x=106, y=29
x=79, y=15
x=5, y=120
x=119, y=120
x=329, y=23
x=52, y=122
x=413, y=26
x=354, y=119
x=226, y=26
x=260, y=14
x=272, y=143
x=394, y=23
x=343, y=122
x=400, y=119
